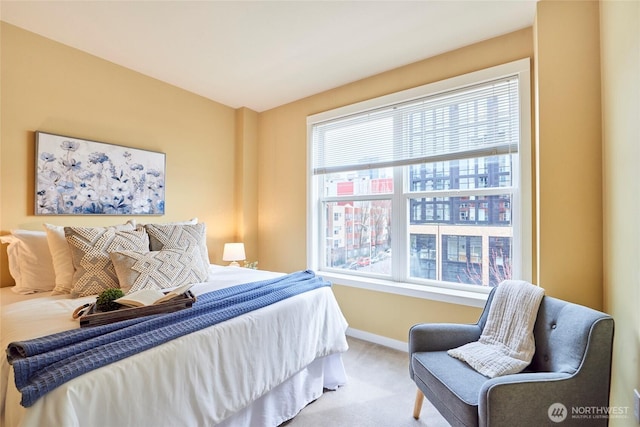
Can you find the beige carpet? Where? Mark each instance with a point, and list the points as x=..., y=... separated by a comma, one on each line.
x=379, y=393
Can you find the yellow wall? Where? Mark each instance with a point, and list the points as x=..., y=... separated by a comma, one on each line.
x=283, y=174
x=568, y=150
x=50, y=87
x=620, y=47
x=246, y=181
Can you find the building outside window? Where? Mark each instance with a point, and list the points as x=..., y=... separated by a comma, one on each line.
x=429, y=189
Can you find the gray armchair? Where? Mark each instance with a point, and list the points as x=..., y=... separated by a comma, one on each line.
x=568, y=378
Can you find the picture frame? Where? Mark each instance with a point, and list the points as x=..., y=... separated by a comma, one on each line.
x=76, y=176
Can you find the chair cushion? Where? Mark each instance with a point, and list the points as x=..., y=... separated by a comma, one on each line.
x=450, y=381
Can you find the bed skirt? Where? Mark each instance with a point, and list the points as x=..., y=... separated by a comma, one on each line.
x=286, y=400
x=277, y=406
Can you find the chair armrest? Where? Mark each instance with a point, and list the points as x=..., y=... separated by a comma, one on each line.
x=441, y=336
x=525, y=398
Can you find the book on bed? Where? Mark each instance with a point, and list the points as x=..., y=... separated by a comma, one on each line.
x=145, y=297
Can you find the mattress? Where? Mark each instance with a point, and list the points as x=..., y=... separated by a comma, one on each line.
x=258, y=369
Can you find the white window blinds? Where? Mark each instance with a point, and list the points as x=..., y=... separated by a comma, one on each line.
x=475, y=121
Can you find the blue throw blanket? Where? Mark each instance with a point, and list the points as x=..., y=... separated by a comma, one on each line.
x=42, y=364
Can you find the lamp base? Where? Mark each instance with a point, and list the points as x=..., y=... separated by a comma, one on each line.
x=234, y=264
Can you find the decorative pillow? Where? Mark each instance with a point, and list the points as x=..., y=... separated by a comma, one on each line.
x=90, y=248
x=61, y=254
x=176, y=236
x=30, y=262
x=157, y=270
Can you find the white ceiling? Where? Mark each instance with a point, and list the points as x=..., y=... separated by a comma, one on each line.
x=262, y=54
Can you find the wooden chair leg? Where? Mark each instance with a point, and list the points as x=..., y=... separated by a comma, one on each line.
x=418, y=405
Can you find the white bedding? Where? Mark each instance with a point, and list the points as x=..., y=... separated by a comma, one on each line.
x=217, y=376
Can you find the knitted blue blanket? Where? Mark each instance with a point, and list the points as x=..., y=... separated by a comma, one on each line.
x=42, y=364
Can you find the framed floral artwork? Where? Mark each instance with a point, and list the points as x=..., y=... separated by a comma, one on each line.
x=80, y=177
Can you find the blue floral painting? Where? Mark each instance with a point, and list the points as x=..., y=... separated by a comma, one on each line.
x=80, y=177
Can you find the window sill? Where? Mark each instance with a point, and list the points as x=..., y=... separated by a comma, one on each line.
x=452, y=296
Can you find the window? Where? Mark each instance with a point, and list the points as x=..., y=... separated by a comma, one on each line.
x=429, y=186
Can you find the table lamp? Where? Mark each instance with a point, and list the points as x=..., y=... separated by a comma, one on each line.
x=233, y=252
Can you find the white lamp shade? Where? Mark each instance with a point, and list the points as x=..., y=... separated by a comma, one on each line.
x=233, y=252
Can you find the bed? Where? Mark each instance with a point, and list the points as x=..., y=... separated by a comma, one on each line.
x=257, y=369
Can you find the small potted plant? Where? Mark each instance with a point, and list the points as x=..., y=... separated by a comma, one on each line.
x=105, y=301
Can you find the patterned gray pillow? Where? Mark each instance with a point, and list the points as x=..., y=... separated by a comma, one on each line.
x=90, y=248
x=180, y=236
x=158, y=269
x=61, y=254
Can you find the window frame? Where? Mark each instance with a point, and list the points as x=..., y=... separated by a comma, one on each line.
x=522, y=200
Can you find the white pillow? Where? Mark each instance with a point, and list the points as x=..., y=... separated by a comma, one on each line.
x=30, y=262
x=61, y=255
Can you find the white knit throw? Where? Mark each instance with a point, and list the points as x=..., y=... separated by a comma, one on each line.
x=506, y=345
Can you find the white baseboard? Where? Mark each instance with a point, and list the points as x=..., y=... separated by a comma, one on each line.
x=378, y=339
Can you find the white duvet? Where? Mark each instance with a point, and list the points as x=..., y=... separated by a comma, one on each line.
x=200, y=379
